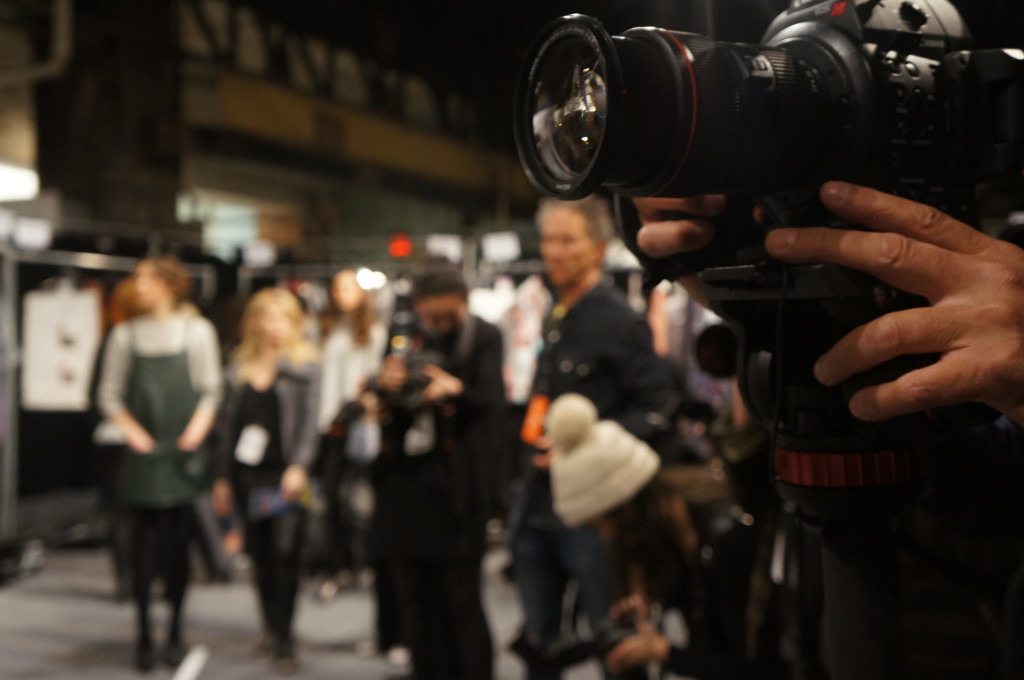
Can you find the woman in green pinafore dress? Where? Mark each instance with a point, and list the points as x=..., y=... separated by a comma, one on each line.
x=161, y=385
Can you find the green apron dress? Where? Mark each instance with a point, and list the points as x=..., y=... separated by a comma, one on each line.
x=161, y=397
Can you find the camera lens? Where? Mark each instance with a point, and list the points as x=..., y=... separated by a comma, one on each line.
x=657, y=112
x=570, y=104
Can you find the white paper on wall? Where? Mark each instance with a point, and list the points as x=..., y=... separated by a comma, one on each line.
x=60, y=338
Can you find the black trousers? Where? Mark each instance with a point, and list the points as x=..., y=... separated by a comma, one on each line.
x=444, y=618
x=161, y=537
x=275, y=546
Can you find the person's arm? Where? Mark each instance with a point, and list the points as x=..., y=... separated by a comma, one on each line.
x=204, y=365
x=226, y=427
x=640, y=377
x=639, y=649
x=485, y=392
x=113, y=385
x=974, y=322
x=296, y=476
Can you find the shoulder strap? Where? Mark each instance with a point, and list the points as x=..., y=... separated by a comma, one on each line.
x=467, y=334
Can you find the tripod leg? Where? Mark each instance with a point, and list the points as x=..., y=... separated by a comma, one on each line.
x=863, y=612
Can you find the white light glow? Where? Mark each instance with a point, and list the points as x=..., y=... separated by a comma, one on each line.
x=371, y=280
x=18, y=184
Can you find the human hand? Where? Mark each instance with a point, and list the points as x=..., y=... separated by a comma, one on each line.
x=138, y=440
x=975, y=319
x=644, y=646
x=191, y=439
x=663, y=234
x=220, y=497
x=197, y=429
x=634, y=607
x=442, y=384
x=370, y=402
x=542, y=459
x=294, y=482
x=393, y=373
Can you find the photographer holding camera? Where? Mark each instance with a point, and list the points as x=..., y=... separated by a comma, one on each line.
x=442, y=398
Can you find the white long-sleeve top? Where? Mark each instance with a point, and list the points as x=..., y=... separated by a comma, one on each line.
x=150, y=336
x=346, y=365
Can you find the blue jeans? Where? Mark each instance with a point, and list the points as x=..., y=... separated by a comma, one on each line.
x=545, y=560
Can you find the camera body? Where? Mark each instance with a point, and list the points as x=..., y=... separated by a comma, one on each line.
x=407, y=340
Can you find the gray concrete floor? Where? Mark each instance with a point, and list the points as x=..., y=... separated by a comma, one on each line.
x=63, y=622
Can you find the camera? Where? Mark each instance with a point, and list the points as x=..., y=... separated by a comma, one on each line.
x=883, y=93
x=886, y=94
x=570, y=650
x=406, y=340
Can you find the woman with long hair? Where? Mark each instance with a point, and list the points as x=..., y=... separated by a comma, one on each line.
x=160, y=385
x=354, y=348
x=267, y=441
x=604, y=476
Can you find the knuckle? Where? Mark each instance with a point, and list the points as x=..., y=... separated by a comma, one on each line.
x=1006, y=277
x=888, y=334
x=893, y=250
x=927, y=219
x=920, y=392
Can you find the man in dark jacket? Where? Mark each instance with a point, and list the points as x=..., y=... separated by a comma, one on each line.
x=596, y=345
x=442, y=397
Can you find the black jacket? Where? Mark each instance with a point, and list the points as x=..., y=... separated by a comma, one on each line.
x=434, y=506
x=602, y=349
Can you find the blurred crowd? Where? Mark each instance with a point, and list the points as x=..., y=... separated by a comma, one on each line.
x=596, y=438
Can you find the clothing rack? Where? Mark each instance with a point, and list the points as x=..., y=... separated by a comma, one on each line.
x=10, y=331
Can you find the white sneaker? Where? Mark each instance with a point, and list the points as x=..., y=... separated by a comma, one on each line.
x=399, y=656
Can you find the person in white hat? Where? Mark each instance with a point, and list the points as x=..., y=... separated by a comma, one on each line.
x=604, y=476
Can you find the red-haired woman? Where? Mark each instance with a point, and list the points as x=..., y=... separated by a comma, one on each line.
x=161, y=385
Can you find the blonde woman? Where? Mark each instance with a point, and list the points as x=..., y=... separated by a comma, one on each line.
x=160, y=385
x=268, y=439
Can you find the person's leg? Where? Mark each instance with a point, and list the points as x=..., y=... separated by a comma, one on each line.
x=287, y=534
x=470, y=644
x=421, y=621
x=144, y=535
x=258, y=545
x=176, y=530
x=542, y=582
x=389, y=621
x=585, y=556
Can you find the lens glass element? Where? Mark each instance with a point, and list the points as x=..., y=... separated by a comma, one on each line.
x=570, y=98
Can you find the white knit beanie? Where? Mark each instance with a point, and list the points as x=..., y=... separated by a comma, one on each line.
x=598, y=466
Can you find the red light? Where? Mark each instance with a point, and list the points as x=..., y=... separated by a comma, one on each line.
x=399, y=245
x=839, y=8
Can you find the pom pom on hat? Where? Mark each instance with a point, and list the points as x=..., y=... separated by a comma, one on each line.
x=570, y=421
x=599, y=465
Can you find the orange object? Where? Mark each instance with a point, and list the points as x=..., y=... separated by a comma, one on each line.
x=533, y=423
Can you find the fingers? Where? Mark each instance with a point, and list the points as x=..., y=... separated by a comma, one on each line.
x=898, y=260
x=662, y=235
x=661, y=239
x=706, y=205
x=947, y=382
x=887, y=213
x=913, y=331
